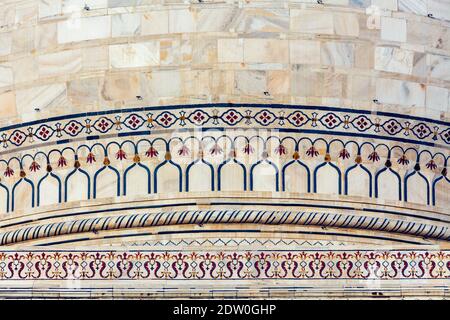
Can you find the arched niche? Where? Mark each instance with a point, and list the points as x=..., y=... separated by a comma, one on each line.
x=232, y=176
x=296, y=177
x=49, y=190
x=358, y=181
x=167, y=177
x=23, y=195
x=327, y=179
x=441, y=192
x=77, y=186
x=388, y=185
x=106, y=182
x=199, y=176
x=136, y=180
x=4, y=198
x=417, y=188
x=264, y=176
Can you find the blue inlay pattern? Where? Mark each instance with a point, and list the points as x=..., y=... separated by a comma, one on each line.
x=314, y=119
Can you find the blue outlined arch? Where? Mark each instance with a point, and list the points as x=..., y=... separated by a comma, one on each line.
x=128, y=170
x=405, y=185
x=277, y=173
x=100, y=171
x=2, y=186
x=283, y=174
x=49, y=174
x=224, y=163
x=377, y=175
x=180, y=177
x=435, y=182
x=347, y=172
x=88, y=182
x=193, y=163
x=14, y=191
x=316, y=170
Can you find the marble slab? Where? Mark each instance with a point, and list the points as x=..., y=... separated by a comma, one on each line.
x=166, y=83
x=437, y=98
x=60, y=63
x=230, y=50
x=71, y=6
x=440, y=9
x=120, y=86
x=391, y=5
x=83, y=91
x=304, y=51
x=6, y=75
x=215, y=20
x=49, y=8
x=250, y=82
x=42, y=97
x=337, y=54
x=400, y=92
x=134, y=55
x=5, y=43
x=266, y=50
x=45, y=36
x=413, y=6
x=394, y=60
x=127, y=24
x=311, y=21
x=79, y=29
x=261, y=20
x=25, y=69
x=8, y=103
x=346, y=24
x=181, y=21
x=155, y=22
x=393, y=29
x=439, y=66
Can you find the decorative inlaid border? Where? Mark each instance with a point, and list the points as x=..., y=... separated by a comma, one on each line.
x=308, y=119
x=218, y=151
x=225, y=265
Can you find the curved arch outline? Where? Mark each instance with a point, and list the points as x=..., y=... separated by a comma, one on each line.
x=14, y=191
x=131, y=167
x=7, y=196
x=219, y=172
x=399, y=182
x=334, y=167
x=283, y=174
x=346, y=178
x=277, y=174
x=433, y=191
x=71, y=174
x=188, y=168
x=405, y=185
x=180, y=175
x=51, y=174
x=98, y=172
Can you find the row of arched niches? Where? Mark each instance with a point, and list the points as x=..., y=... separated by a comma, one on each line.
x=188, y=161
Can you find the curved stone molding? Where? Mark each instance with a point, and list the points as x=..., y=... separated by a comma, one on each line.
x=324, y=219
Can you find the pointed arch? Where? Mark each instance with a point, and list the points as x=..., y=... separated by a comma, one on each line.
x=221, y=166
